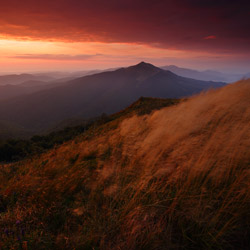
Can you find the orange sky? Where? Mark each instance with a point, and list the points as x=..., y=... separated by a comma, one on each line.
x=77, y=35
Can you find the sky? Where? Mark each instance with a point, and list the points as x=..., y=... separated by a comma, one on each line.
x=51, y=35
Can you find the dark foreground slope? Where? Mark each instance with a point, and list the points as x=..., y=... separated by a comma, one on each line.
x=18, y=149
x=90, y=96
x=177, y=178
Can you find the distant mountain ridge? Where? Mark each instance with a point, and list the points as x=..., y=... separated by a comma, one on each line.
x=15, y=85
x=90, y=96
x=206, y=75
x=17, y=79
x=10, y=91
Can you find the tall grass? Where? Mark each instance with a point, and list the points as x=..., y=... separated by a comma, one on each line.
x=174, y=179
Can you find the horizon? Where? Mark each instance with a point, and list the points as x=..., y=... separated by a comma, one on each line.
x=68, y=71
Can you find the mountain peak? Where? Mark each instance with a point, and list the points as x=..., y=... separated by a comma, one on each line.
x=141, y=71
x=145, y=67
x=143, y=63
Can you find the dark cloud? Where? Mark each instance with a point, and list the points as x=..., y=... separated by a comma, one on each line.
x=210, y=37
x=179, y=24
x=57, y=57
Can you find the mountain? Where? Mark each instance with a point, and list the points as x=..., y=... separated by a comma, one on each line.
x=17, y=79
x=12, y=85
x=207, y=75
x=11, y=91
x=66, y=76
x=177, y=178
x=90, y=96
x=247, y=75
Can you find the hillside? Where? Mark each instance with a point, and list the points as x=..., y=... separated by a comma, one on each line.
x=90, y=96
x=21, y=90
x=11, y=91
x=177, y=178
x=9, y=130
x=18, y=149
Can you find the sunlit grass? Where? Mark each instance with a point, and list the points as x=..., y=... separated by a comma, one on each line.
x=174, y=179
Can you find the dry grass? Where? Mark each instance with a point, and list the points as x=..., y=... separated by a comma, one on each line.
x=174, y=179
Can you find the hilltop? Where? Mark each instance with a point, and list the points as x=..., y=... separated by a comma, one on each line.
x=175, y=178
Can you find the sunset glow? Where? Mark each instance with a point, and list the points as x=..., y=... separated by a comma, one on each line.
x=33, y=55
x=73, y=35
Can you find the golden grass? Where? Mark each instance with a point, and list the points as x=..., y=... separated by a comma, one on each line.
x=175, y=179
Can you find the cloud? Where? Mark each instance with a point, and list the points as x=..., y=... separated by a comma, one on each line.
x=57, y=57
x=177, y=24
x=209, y=37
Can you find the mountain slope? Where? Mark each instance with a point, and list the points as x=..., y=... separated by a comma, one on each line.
x=174, y=179
x=11, y=91
x=17, y=149
x=9, y=130
x=90, y=96
x=25, y=88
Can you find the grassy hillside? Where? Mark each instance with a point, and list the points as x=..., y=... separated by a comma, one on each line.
x=177, y=178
